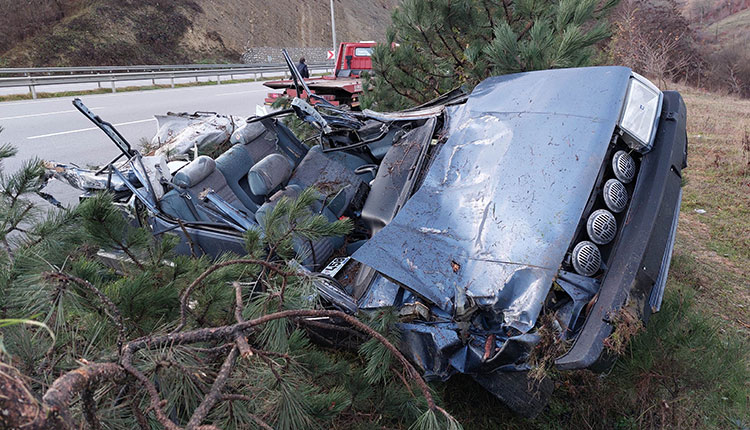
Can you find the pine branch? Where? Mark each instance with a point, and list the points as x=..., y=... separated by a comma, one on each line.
x=185, y=296
x=155, y=403
x=57, y=399
x=459, y=62
x=489, y=14
x=508, y=14
x=228, y=333
x=246, y=399
x=270, y=363
x=241, y=340
x=398, y=91
x=16, y=220
x=426, y=84
x=9, y=251
x=426, y=40
x=525, y=30
x=140, y=418
x=213, y=396
x=111, y=309
x=126, y=249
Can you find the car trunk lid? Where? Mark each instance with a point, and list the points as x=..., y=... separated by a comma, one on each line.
x=499, y=205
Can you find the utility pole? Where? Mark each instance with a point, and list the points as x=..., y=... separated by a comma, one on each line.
x=333, y=31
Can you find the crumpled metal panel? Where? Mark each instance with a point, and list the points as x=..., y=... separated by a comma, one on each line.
x=440, y=352
x=156, y=169
x=411, y=115
x=581, y=290
x=502, y=199
x=179, y=133
x=382, y=293
x=83, y=179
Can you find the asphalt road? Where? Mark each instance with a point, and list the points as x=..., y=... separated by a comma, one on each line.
x=52, y=129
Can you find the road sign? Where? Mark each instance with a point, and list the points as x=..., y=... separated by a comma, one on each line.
x=329, y=55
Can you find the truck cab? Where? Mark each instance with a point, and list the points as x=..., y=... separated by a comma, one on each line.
x=353, y=58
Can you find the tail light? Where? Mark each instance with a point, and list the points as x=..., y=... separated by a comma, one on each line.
x=586, y=258
x=615, y=195
x=623, y=166
x=601, y=227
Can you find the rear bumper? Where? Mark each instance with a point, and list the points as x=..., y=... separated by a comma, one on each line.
x=637, y=274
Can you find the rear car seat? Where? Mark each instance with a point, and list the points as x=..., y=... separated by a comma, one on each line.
x=267, y=175
x=192, y=180
x=333, y=175
x=313, y=254
x=233, y=164
x=254, y=142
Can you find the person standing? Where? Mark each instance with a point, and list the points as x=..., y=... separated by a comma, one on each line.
x=302, y=68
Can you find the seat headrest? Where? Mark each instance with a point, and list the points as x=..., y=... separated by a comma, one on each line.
x=234, y=162
x=268, y=174
x=195, y=172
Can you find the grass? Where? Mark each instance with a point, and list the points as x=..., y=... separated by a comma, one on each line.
x=718, y=182
x=682, y=372
x=690, y=368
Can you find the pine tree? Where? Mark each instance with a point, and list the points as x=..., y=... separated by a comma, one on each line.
x=169, y=341
x=434, y=46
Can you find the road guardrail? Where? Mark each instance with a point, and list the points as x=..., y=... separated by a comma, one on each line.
x=33, y=77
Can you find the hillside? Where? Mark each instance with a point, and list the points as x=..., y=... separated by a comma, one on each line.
x=731, y=30
x=706, y=12
x=111, y=32
x=721, y=37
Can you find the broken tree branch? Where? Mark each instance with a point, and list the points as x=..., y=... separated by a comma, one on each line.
x=228, y=333
x=243, y=398
x=245, y=350
x=54, y=411
x=185, y=296
x=58, y=397
x=213, y=396
x=89, y=409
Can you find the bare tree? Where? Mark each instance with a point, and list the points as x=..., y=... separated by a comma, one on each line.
x=655, y=40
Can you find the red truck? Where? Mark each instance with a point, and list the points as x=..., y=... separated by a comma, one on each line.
x=341, y=88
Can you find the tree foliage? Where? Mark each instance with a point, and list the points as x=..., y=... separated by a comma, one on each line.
x=434, y=46
x=147, y=338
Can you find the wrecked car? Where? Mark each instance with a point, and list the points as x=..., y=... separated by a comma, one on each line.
x=544, y=200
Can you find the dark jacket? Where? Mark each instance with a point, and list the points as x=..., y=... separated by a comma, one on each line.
x=302, y=68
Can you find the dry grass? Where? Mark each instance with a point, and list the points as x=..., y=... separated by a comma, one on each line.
x=717, y=181
x=730, y=30
x=626, y=326
x=551, y=345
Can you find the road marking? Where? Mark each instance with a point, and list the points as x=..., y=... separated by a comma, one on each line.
x=88, y=129
x=242, y=92
x=45, y=113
